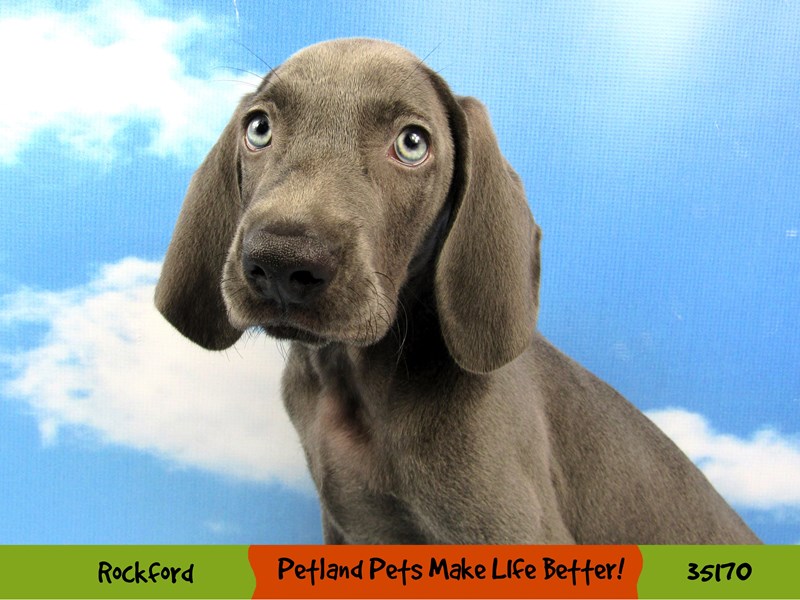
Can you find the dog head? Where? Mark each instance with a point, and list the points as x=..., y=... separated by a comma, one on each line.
x=350, y=169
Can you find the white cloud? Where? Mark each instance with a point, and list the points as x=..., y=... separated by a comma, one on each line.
x=78, y=79
x=761, y=472
x=111, y=366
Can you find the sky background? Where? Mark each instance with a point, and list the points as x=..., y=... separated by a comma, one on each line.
x=659, y=143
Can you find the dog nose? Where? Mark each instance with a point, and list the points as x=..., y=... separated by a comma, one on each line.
x=292, y=269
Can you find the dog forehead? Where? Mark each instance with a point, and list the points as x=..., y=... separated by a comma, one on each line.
x=353, y=55
x=352, y=71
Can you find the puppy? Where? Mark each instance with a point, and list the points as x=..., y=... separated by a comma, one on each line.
x=355, y=206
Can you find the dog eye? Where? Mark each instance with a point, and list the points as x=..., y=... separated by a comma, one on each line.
x=259, y=132
x=411, y=146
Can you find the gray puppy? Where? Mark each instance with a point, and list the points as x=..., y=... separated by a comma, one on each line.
x=357, y=207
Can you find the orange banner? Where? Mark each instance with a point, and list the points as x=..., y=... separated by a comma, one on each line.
x=446, y=571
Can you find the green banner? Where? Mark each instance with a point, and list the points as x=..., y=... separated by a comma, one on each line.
x=225, y=571
x=720, y=572
x=125, y=572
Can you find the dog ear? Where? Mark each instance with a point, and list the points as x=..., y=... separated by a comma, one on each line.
x=188, y=292
x=487, y=274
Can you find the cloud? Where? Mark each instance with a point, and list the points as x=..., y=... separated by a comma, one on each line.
x=111, y=368
x=760, y=472
x=79, y=79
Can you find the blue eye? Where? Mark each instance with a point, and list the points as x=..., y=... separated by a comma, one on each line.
x=259, y=132
x=411, y=146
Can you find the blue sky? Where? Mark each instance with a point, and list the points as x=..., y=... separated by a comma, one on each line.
x=659, y=143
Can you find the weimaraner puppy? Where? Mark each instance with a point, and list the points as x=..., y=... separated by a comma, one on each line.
x=355, y=206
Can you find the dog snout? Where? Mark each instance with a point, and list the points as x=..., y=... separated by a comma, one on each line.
x=287, y=268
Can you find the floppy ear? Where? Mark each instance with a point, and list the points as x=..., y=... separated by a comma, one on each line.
x=188, y=292
x=487, y=275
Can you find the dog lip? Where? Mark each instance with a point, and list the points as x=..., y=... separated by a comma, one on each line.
x=293, y=333
x=282, y=322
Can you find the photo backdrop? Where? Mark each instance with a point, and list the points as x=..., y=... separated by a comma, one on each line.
x=659, y=144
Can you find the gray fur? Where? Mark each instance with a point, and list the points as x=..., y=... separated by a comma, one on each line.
x=429, y=408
